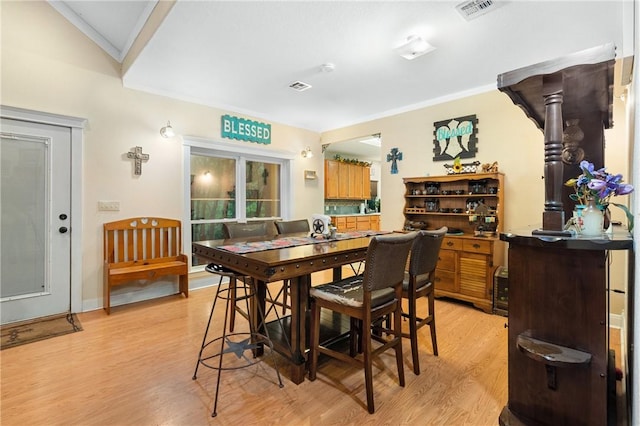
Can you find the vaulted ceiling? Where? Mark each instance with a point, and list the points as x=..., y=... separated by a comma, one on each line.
x=243, y=55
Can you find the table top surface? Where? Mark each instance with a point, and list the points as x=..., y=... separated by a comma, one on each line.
x=288, y=262
x=618, y=240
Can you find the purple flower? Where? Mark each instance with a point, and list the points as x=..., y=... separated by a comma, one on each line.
x=624, y=189
x=586, y=167
x=598, y=184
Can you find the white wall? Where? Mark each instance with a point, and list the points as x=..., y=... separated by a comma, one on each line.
x=48, y=65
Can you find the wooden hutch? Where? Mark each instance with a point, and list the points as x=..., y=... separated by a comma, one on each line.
x=471, y=205
x=561, y=371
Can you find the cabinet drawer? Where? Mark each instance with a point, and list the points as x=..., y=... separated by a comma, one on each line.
x=477, y=246
x=446, y=260
x=452, y=244
x=445, y=280
x=362, y=223
x=375, y=223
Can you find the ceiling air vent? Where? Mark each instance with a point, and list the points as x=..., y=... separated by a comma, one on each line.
x=473, y=8
x=300, y=86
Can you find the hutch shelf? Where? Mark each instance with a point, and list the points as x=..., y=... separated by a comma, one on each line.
x=472, y=207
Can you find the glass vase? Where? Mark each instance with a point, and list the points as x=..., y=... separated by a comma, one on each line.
x=592, y=220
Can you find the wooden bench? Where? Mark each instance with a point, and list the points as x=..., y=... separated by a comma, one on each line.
x=143, y=248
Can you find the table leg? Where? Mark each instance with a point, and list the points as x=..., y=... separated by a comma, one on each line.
x=299, y=296
x=258, y=305
x=337, y=273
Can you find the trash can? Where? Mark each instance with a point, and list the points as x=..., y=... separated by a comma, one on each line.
x=501, y=291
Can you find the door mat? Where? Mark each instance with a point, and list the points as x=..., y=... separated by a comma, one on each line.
x=20, y=333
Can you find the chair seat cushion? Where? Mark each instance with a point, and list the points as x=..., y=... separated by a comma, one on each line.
x=349, y=292
x=421, y=280
x=214, y=268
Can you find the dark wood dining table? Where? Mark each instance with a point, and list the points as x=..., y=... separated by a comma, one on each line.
x=295, y=264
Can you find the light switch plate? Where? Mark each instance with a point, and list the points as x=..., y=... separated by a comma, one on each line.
x=109, y=206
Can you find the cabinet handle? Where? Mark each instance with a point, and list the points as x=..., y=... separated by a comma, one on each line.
x=449, y=243
x=476, y=246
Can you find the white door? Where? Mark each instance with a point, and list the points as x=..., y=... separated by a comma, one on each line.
x=35, y=202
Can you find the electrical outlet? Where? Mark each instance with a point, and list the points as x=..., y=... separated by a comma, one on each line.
x=109, y=206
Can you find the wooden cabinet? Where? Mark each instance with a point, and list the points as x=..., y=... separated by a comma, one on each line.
x=465, y=269
x=362, y=222
x=561, y=370
x=471, y=252
x=345, y=181
x=331, y=189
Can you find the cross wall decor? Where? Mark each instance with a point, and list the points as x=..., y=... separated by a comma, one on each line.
x=138, y=157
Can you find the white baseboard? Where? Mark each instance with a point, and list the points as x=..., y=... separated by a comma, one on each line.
x=616, y=321
x=138, y=292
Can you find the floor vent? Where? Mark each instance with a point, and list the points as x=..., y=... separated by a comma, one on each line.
x=473, y=8
x=300, y=86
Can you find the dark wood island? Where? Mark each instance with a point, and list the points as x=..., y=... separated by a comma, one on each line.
x=561, y=371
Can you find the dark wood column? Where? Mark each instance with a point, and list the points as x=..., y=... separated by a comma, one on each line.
x=553, y=216
x=579, y=88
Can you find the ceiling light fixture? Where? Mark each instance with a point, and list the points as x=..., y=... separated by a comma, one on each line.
x=328, y=67
x=167, y=131
x=414, y=47
x=306, y=153
x=373, y=140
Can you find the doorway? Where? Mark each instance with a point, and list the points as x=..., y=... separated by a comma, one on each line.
x=37, y=274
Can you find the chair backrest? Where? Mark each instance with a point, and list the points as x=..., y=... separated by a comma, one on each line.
x=142, y=238
x=425, y=250
x=240, y=230
x=385, y=260
x=291, y=226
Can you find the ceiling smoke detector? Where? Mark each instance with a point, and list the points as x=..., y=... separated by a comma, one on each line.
x=474, y=8
x=300, y=86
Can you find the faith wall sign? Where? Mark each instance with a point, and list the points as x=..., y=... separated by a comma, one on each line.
x=455, y=137
x=245, y=130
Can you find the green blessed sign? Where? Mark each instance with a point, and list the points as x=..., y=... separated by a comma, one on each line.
x=245, y=130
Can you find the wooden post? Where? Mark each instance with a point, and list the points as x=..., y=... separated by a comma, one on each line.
x=553, y=216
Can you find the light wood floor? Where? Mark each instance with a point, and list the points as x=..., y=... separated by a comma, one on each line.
x=134, y=367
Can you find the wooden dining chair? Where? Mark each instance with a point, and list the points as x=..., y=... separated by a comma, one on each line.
x=240, y=230
x=419, y=281
x=366, y=298
x=288, y=227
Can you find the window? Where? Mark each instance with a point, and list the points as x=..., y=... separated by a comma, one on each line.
x=230, y=186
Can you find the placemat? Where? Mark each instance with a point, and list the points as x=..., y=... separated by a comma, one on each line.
x=251, y=247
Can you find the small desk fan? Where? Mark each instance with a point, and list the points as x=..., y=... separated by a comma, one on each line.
x=320, y=224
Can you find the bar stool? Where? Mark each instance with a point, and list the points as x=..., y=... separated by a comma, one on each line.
x=212, y=350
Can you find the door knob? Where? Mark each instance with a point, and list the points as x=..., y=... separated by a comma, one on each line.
x=63, y=229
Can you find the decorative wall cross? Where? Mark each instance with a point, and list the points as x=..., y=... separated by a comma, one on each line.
x=394, y=156
x=138, y=157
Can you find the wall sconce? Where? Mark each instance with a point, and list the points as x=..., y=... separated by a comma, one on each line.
x=306, y=153
x=167, y=131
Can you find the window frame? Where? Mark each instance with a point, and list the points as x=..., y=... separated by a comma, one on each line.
x=242, y=154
